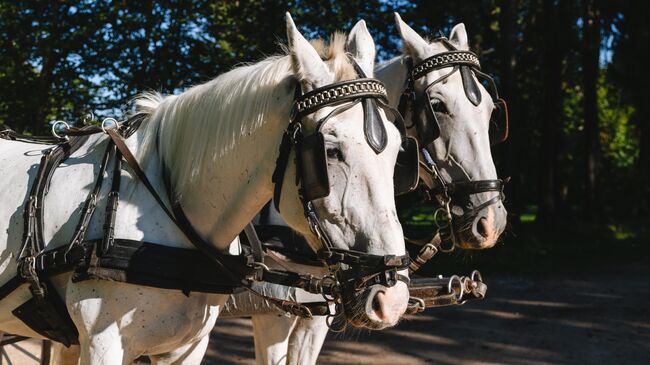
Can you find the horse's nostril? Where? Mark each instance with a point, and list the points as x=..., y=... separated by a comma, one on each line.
x=482, y=227
x=376, y=306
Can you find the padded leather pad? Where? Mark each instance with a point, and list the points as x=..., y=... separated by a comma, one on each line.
x=373, y=127
x=499, y=122
x=426, y=122
x=469, y=84
x=313, y=167
x=407, y=173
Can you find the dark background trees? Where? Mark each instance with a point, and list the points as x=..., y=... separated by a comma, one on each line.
x=573, y=72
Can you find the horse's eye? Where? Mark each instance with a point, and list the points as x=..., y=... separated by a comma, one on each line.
x=438, y=106
x=334, y=153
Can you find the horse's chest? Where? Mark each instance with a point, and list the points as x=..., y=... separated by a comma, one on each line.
x=155, y=320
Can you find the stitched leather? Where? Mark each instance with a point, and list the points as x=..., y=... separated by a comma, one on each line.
x=373, y=127
x=470, y=86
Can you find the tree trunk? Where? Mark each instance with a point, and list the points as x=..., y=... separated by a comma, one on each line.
x=43, y=95
x=44, y=83
x=590, y=67
x=554, y=54
x=509, y=152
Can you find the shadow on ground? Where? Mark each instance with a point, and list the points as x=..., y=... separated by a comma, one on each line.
x=601, y=318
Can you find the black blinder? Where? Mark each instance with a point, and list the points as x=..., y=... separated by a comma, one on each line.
x=499, y=122
x=407, y=173
x=427, y=124
x=373, y=127
x=312, y=161
x=470, y=86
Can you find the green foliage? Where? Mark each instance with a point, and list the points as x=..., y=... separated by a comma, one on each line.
x=61, y=59
x=618, y=140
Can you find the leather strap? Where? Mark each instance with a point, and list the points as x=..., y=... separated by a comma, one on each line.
x=254, y=241
x=178, y=217
x=181, y=221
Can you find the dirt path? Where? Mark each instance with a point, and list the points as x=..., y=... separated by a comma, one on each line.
x=582, y=318
x=601, y=318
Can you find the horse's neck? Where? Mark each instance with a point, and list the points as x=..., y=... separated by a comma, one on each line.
x=393, y=74
x=228, y=197
x=139, y=215
x=225, y=197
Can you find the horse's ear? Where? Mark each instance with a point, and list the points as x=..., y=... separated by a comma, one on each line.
x=458, y=36
x=362, y=47
x=414, y=45
x=307, y=64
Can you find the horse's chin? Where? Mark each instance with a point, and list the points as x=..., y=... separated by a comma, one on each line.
x=481, y=245
x=471, y=240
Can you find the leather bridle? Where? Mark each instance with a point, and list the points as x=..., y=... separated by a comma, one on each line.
x=445, y=192
x=354, y=270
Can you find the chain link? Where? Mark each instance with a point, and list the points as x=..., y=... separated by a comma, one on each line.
x=444, y=59
x=349, y=89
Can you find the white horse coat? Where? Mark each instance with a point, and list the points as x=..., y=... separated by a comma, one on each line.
x=298, y=341
x=219, y=141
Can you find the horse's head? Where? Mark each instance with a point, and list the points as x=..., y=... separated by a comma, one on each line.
x=349, y=151
x=452, y=115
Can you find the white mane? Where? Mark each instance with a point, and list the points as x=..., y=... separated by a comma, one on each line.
x=194, y=129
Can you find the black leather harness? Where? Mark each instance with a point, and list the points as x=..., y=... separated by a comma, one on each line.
x=205, y=269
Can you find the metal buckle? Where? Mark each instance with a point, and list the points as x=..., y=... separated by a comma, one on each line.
x=298, y=310
x=28, y=268
x=259, y=267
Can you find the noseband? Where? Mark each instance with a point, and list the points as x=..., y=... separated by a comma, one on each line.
x=444, y=192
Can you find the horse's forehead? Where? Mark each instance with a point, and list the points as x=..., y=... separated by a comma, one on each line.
x=453, y=89
x=432, y=49
x=348, y=124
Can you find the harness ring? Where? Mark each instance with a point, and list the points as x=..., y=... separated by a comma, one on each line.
x=450, y=286
x=106, y=121
x=54, y=127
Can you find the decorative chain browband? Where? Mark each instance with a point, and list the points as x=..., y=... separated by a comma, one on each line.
x=445, y=59
x=339, y=92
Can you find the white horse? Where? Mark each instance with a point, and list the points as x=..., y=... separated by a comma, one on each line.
x=219, y=142
x=462, y=153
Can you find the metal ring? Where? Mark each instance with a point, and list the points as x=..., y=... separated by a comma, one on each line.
x=262, y=265
x=109, y=120
x=419, y=302
x=331, y=282
x=450, y=286
x=467, y=287
x=446, y=248
x=88, y=118
x=55, y=124
x=329, y=321
x=436, y=218
x=476, y=276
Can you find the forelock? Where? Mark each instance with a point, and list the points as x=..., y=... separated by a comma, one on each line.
x=335, y=56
